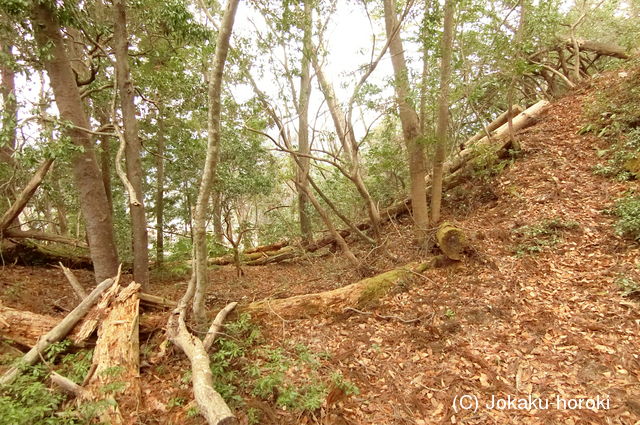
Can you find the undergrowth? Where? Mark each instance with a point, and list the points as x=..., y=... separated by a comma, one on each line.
x=627, y=209
x=290, y=377
x=28, y=399
x=614, y=116
x=537, y=237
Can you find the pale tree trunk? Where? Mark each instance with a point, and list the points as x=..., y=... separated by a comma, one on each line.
x=9, y=106
x=105, y=157
x=211, y=161
x=410, y=125
x=303, y=127
x=443, y=111
x=160, y=192
x=349, y=144
x=218, y=230
x=132, y=150
x=87, y=176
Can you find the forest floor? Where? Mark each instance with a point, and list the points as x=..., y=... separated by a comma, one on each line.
x=534, y=311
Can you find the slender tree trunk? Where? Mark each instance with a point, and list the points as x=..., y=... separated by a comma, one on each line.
x=87, y=176
x=218, y=231
x=443, y=111
x=410, y=125
x=105, y=158
x=211, y=162
x=303, y=126
x=349, y=144
x=160, y=192
x=9, y=107
x=140, y=239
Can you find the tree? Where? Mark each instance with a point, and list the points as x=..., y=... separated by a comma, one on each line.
x=443, y=111
x=87, y=176
x=410, y=124
x=211, y=161
x=132, y=149
x=304, y=147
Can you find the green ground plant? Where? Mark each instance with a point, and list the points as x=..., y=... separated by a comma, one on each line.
x=535, y=238
x=291, y=376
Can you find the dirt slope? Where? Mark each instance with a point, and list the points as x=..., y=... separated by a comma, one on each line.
x=550, y=324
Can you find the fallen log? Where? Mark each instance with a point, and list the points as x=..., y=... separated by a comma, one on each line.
x=359, y=295
x=23, y=198
x=25, y=252
x=58, y=332
x=451, y=241
x=25, y=327
x=43, y=236
x=116, y=358
x=495, y=124
x=523, y=120
x=265, y=248
x=602, y=49
x=212, y=405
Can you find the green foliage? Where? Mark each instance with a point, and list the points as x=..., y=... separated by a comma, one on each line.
x=628, y=211
x=29, y=401
x=627, y=285
x=292, y=378
x=613, y=115
x=536, y=237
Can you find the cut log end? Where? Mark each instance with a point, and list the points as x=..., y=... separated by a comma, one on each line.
x=451, y=240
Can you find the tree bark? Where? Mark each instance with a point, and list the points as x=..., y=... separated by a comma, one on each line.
x=9, y=106
x=160, y=192
x=211, y=161
x=132, y=151
x=87, y=176
x=410, y=125
x=304, y=147
x=443, y=111
x=493, y=125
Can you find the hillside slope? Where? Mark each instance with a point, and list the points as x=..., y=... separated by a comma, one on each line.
x=534, y=312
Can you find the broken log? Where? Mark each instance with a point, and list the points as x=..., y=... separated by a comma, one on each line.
x=117, y=358
x=58, y=332
x=25, y=327
x=265, y=248
x=359, y=295
x=451, y=241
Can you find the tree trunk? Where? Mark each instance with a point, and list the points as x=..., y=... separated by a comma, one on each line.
x=303, y=126
x=132, y=151
x=160, y=193
x=218, y=229
x=211, y=161
x=87, y=176
x=410, y=125
x=443, y=111
x=9, y=106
